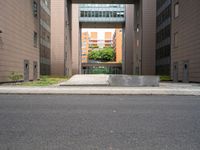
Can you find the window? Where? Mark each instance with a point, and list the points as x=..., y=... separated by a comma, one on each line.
x=46, y=3
x=176, y=39
x=138, y=43
x=83, y=51
x=35, y=9
x=35, y=39
x=82, y=13
x=176, y=10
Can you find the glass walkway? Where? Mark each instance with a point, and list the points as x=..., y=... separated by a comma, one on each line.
x=108, y=13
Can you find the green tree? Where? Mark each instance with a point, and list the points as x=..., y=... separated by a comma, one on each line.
x=105, y=54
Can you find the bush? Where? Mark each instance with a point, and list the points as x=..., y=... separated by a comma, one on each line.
x=14, y=76
x=106, y=54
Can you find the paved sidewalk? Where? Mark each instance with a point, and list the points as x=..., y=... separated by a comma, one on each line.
x=164, y=89
x=87, y=80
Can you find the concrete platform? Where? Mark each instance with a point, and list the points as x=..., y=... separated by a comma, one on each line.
x=87, y=80
x=112, y=80
x=133, y=81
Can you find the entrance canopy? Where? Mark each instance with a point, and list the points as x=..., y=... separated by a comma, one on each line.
x=104, y=1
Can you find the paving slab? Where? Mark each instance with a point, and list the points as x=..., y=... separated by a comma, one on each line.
x=87, y=80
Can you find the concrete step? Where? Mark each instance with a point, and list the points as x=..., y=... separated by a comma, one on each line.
x=87, y=80
x=112, y=80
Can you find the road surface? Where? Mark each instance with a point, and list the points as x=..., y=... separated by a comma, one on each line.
x=76, y=122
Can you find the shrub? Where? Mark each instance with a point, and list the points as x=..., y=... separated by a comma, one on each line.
x=106, y=54
x=14, y=76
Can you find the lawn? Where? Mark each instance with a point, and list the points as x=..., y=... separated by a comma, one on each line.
x=165, y=78
x=44, y=81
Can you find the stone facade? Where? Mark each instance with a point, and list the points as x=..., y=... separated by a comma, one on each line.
x=185, y=41
x=19, y=39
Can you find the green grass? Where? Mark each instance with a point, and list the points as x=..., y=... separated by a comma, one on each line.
x=165, y=78
x=44, y=81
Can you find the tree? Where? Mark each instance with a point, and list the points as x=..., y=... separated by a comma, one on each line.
x=105, y=54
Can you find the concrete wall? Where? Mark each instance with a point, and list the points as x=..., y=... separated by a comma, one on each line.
x=187, y=25
x=148, y=37
x=128, y=41
x=137, y=37
x=16, y=42
x=57, y=37
x=68, y=35
x=144, y=37
x=76, y=43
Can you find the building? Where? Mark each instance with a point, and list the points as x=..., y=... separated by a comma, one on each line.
x=45, y=30
x=117, y=44
x=185, y=41
x=61, y=52
x=93, y=42
x=143, y=31
x=108, y=41
x=19, y=39
x=97, y=42
x=85, y=46
x=163, y=37
x=138, y=23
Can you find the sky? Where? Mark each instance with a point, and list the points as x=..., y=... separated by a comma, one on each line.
x=101, y=32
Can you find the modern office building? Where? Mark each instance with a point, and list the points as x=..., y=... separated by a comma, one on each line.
x=163, y=37
x=85, y=46
x=137, y=20
x=19, y=39
x=67, y=18
x=108, y=41
x=96, y=42
x=185, y=41
x=117, y=44
x=30, y=44
x=93, y=40
x=45, y=30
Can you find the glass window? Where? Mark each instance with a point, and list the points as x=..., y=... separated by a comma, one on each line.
x=96, y=14
x=107, y=13
x=114, y=14
x=82, y=13
x=176, y=10
x=35, y=9
x=89, y=14
x=176, y=39
x=35, y=39
x=99, y=14
x=93, y=14
x=104, y=14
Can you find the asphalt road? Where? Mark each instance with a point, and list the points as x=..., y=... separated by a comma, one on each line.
x=42, y=122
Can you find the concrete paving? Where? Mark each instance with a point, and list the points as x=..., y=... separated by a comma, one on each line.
x=87, y=80
x=163, y=89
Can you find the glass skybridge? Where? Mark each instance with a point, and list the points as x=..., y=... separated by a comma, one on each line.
x=107, y=13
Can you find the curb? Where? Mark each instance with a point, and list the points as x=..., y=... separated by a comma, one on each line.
x=99, y=91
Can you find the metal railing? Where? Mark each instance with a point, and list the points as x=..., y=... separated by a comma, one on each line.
x=101, y=68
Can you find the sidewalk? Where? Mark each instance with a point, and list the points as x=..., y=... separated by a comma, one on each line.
x=163, y=89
